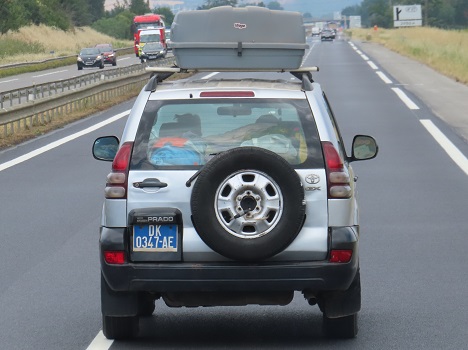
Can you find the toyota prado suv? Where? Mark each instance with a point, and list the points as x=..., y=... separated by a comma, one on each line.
x=230, y=192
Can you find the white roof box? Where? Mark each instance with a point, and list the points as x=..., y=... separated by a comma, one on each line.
x=238, y=38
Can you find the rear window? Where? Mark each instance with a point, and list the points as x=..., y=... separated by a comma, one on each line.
x=185, y=134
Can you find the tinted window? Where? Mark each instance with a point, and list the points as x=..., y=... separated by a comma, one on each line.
x=187, y=133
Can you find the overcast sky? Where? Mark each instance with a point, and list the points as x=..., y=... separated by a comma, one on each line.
x=316, y=8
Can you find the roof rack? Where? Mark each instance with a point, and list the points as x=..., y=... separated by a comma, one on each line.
x=304, y=74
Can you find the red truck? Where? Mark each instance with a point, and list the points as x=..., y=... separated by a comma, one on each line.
x=148, y=21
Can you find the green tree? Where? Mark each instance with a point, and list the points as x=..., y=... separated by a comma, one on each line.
x=167, y=13
x=117, y=26
x=96, y=9
x=77, y=10
x=461, y=13
x=139, y=7
x=215, y=3
x=260, y=4
x=275, y=5
x=12, y=15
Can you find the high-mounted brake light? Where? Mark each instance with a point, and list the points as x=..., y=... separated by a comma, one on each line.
x=337, y=176
x=116, y=187
x=227, y=94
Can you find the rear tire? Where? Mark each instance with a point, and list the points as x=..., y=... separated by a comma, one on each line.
x=115, y=327
x=342, y=327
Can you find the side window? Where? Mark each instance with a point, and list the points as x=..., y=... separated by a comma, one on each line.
x=342, y=149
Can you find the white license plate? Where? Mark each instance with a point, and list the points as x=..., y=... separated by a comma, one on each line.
x=155, y=238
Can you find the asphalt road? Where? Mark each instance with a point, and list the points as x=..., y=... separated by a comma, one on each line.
x=413, y=233
x=56, y=74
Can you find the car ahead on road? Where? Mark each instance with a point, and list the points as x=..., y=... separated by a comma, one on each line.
x=230, y=192
x=108, y=54
x=89, y=58
x=152, y=51
x=327, y=34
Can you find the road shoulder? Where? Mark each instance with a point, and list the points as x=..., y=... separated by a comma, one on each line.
x=447, y=98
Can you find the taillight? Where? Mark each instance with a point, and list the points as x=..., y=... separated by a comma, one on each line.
x=114, y=257
x=337, y=176
x=340, y=255
x=116, y=187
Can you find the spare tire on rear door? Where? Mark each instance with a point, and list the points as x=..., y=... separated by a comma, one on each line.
x=248, y=204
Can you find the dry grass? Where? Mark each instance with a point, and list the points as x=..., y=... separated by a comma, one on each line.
x=444, y=50
x=47, y=40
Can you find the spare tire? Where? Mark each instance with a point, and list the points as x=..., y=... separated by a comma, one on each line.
x=248, y=204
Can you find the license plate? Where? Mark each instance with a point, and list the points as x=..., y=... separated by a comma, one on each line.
x=151, y=56
x=155, y=238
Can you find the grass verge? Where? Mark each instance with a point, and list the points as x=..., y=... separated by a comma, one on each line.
x=446, y=51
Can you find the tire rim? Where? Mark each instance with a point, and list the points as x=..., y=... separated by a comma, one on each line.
x=248, y=204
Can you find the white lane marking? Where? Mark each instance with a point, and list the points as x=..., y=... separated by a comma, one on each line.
x=60, y=142
x=383, y=77
x=210, y=75
x=124, y=58
x=359, y=52
x=308, y=53
x=8, y=81
x=100, y=342
x=43, y=75
x=453, y=152
x=372, y=64
x=407, y=101
x=364, y=57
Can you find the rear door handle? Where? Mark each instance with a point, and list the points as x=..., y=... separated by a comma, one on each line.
x=152, y=182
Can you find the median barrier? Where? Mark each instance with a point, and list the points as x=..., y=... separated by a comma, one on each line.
x=37, y=112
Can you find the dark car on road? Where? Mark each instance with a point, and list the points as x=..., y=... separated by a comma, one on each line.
x=90, y=57
x=108, y=54
x=152, y=51
x=327, y=34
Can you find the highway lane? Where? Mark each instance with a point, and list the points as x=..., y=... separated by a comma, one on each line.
x=65, y=72
x=413, y=237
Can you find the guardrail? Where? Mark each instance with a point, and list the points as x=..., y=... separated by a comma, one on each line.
x=34, y=92
x=41, y=111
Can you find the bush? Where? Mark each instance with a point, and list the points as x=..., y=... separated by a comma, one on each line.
x=10, y=47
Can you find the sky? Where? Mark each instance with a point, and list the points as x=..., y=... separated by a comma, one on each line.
x=316, y=8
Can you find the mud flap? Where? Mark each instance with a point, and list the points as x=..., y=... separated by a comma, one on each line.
x=342, y=303
x=117, y=303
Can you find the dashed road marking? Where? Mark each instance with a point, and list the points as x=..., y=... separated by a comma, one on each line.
x=457, y=156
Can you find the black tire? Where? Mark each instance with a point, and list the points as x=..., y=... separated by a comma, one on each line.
x=80, y=68
x=255, y=220
x=115, y=327
x=114, y=63
x=342, y=327
x=146, y=305
x=102, y=66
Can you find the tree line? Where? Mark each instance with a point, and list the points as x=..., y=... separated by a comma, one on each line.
x=448, y=14
x=66, y=14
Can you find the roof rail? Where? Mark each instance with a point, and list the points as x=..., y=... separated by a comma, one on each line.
x=304, y=74
x=183, y=70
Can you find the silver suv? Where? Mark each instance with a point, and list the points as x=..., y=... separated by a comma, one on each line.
x=230, y=192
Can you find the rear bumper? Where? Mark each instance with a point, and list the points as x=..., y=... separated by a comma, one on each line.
x=179, y=276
